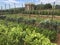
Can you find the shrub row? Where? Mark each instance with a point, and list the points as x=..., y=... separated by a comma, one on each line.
x=44, y=24
x=52, y=25
x=43, y=12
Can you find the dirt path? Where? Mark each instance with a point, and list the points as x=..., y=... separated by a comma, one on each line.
x=58, y=39
x=40, y=16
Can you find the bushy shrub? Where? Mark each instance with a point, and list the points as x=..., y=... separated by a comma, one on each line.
x=21, y=19
x=42, y=12
x=11, y=19
x=32, y=21
x=2, y=17
x=49, y=24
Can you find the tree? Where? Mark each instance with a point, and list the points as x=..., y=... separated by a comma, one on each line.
x=47, y=6
x=57, y=6
x=39, y=6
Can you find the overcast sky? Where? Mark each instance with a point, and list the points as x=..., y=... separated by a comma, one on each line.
x=20, y=3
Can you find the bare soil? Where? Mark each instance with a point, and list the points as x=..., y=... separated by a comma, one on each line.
x=58, y=39
x=40, y=16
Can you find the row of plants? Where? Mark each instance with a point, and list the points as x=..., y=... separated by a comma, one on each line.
x=52, y=25
x=48, y=23
x=18, y=20
x=43, y=25
x=42, y=12
x=12, y=33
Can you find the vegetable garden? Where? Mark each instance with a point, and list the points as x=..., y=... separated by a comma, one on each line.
x=30, y=24
x=20, y=31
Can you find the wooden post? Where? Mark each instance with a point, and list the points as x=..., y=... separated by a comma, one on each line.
x=14, y=7
x=9, y=7
x=53, y=11
x=5, y=6
x=1, y=10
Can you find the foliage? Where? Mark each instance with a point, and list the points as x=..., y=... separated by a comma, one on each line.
x=36, y=39
x=42, y=12
x=47, y=6
x=11, y=19
x=20, y=19
x=32, y=21
x=21, y=34
x=43, y=6
x=2, y=17
x=49, y=24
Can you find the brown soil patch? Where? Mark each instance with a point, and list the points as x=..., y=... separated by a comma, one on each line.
x=58, y=39
x=40, y=16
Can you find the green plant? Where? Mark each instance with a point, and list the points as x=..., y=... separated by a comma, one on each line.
x=21, y=34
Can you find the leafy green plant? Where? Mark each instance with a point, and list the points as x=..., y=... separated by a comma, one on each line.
x=21, y=34
x=32, y=21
